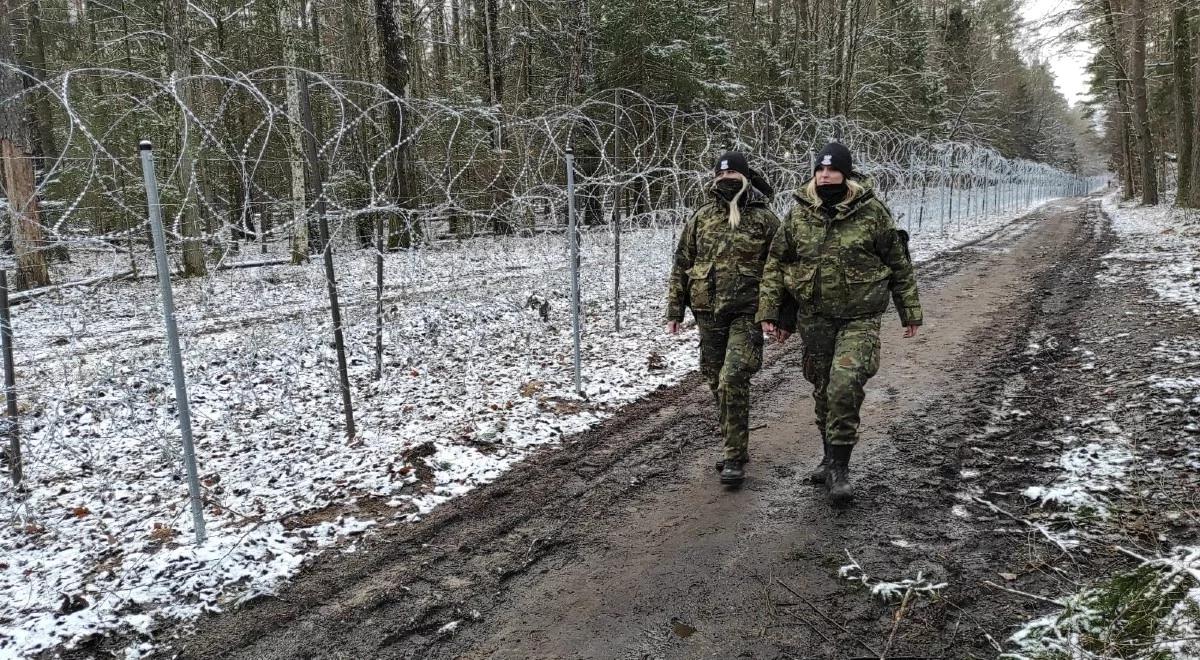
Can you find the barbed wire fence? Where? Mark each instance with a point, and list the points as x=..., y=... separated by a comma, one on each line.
x=452, y=301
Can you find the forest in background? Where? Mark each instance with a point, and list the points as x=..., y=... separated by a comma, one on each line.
x=87, y=79
x=1144, y=82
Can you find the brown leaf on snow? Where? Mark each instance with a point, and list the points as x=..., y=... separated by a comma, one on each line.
x=656, y=362
x=33, y=529
x=81, y=511
x=162, y=532
x=532, y=387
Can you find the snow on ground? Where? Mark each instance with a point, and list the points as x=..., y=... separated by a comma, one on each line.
x=1088, y=471
x=476, y=375
x=1153, y=609
x=1158, y=246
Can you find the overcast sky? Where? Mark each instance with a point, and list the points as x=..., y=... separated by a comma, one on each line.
x=1067, y=61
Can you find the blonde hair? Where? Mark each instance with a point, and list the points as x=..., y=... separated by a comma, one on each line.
x=854, y=190
x=735, y=214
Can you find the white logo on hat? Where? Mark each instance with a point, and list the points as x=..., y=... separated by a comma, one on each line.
x=828, y=160
x=724, y=164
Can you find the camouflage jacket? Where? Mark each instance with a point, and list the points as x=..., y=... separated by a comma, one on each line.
x=717, y=269
x=842, y=265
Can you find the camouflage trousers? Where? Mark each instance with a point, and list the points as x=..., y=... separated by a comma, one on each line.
x=840, y=356
x=731, y=351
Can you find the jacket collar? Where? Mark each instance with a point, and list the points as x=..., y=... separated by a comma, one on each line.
x=812, y=203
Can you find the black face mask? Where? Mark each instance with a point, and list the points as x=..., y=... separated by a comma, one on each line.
x=832, y=194
x=727, y=189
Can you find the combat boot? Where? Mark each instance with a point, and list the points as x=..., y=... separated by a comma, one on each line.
x=733, y=472
x=838, y=480
x=818, y=475
x=745, y=459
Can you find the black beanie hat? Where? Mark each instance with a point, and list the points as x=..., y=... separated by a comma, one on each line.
x=735, y=161
x=837, y=156
x=732, y=161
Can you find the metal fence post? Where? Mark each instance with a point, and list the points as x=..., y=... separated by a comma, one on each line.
x=573, y=240
x=168, y=304
x=16, y=467
x=379, y=248
x=618, y=193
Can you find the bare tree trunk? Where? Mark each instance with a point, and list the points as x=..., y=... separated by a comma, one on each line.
x=851, y=56
x=776, y=18
x=36, y=57
x=834, y=56
x=1194, y=184
x=441, y=68
x=1141, y=111
x=1128, y=183
x=1182, y=55
x=583, y=71
x=525, y=84
x=289, y=14
x=181, y=55
x=456, y=32
x=488, y=17
x=1124, y=108
x=394, y=47
x=16, y=150
x=357, y=58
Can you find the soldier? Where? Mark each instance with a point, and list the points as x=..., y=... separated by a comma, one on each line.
x=717, y=269
x=839, y=256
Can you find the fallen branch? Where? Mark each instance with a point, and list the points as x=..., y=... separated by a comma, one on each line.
x=1132, y=554
x=22, y=296
x=1026, y=594
x=815, y=629
x=885, y=590
x=1174, y=565
x=1041, y=530
x=253, y=264
x=827, y=619
x=896, y=626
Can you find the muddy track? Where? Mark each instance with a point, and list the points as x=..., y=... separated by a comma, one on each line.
x=621, y=543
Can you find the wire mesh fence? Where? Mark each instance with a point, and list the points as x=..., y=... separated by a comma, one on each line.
x=449, y=254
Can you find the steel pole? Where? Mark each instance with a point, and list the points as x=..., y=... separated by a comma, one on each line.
x=16, y=467
x=168, y=304
x=573, y=240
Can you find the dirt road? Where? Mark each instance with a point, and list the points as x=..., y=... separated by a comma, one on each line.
x=621, y=544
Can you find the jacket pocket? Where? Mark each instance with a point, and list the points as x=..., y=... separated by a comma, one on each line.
x=753, y=271
x=798, y=280
x=740, y=294
x=700, y=287
x=866, y=291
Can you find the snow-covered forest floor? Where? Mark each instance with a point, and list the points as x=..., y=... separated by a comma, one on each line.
x=1121, y=496
x=477, y=374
